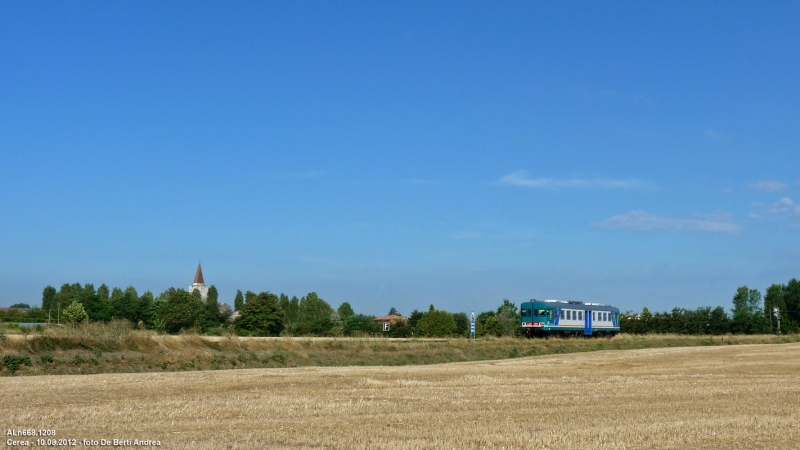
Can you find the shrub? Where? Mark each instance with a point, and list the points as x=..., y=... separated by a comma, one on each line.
x=260, y=316
x=179, y=312
x=494, y=326
x=436, y=324
x=13, y=362
x=74, y=313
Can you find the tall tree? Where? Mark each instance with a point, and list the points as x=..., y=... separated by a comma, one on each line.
x=211, y=317
x=48, y=298
x=238, y=302
x=345, y=310
x=393, y=311
x=313, y=315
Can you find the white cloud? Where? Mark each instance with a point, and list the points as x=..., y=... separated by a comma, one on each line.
x=768, y=186
x=520, y=178
x=720, y=222
x=782, y=206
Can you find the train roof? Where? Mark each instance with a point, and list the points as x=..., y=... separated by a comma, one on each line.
x=569, y=304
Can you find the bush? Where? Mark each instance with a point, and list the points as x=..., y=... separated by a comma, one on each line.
x=436, y=324
x=360, y=324
x=180, y=311
x=260, y=316
x=13, y=362
x=494, y=326
x=74, y=313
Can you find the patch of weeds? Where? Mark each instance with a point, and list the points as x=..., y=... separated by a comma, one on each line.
x=45, y=359
x=241, y=357
x=12, y=362
x=233, y=362
x=95, y=361
x=78, y=359
x=253, y=356
x=279, y=358
x=163, y=366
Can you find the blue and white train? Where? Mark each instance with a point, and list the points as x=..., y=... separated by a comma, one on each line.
x=543, y=318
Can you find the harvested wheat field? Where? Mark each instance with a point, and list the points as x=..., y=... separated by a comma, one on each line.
x=745, y=396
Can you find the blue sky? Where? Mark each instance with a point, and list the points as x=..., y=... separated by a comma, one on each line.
x=402, y=154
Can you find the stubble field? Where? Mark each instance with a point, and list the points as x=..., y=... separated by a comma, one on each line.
x=745, y=396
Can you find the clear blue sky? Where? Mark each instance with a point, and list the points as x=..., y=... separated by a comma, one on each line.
x=402, y=153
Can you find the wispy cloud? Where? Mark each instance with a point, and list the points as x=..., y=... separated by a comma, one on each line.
x=768, y=186
x=520, y=178
x=720, y=222
x=783, y=206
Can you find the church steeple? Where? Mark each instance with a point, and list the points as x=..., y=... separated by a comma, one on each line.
x=199, y=284
x=198, y=276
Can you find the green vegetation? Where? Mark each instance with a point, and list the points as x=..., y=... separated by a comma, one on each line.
x=117, y=347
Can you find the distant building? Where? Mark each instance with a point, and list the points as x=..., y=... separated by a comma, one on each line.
x=391, y=319
x=199, y=284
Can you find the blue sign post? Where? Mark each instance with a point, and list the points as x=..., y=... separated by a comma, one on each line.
x=472, y=326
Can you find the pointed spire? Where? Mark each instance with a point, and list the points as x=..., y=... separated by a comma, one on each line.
x=198, y=277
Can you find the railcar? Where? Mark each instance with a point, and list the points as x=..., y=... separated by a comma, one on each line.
x=548, y=317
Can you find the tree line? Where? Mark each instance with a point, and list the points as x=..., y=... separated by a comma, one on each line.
x=268, y=314
x=751, y=314
x=262, y=314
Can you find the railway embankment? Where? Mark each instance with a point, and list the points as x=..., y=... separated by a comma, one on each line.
x=108, y=350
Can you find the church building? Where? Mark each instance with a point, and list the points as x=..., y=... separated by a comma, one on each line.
x=199, y=284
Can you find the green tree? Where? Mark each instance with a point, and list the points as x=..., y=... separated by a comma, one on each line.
x=774, y=298
x=313, y=315
x=20, y=305
x=345, y=310
x=436, y=324
x=211, y=317
x=718, y=322
x=508, y=314
x=147, y=309
x=261, y=316
x=462, y=323
x=359, y=324
x=790, y=320
x=249, y=295
x=74, y=313
x=494, y=326
x=746, y=305
x=48, y=298
x=238, y=302
x=647, y=320
x=393, y=311
x=413, y=319
x=181, y=311
x=290, y=316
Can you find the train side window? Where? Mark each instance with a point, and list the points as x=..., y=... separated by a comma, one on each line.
x=594, y=315
x=561, y=315
x=580, y=315
x=605, y=317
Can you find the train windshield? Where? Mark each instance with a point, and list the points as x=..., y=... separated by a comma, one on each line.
x=525, y=312
x=542, y=312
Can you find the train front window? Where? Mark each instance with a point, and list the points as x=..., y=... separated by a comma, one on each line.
x=525, y=312
x=542, y=312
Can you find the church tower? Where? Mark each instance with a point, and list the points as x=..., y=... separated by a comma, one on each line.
x=199, y=284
